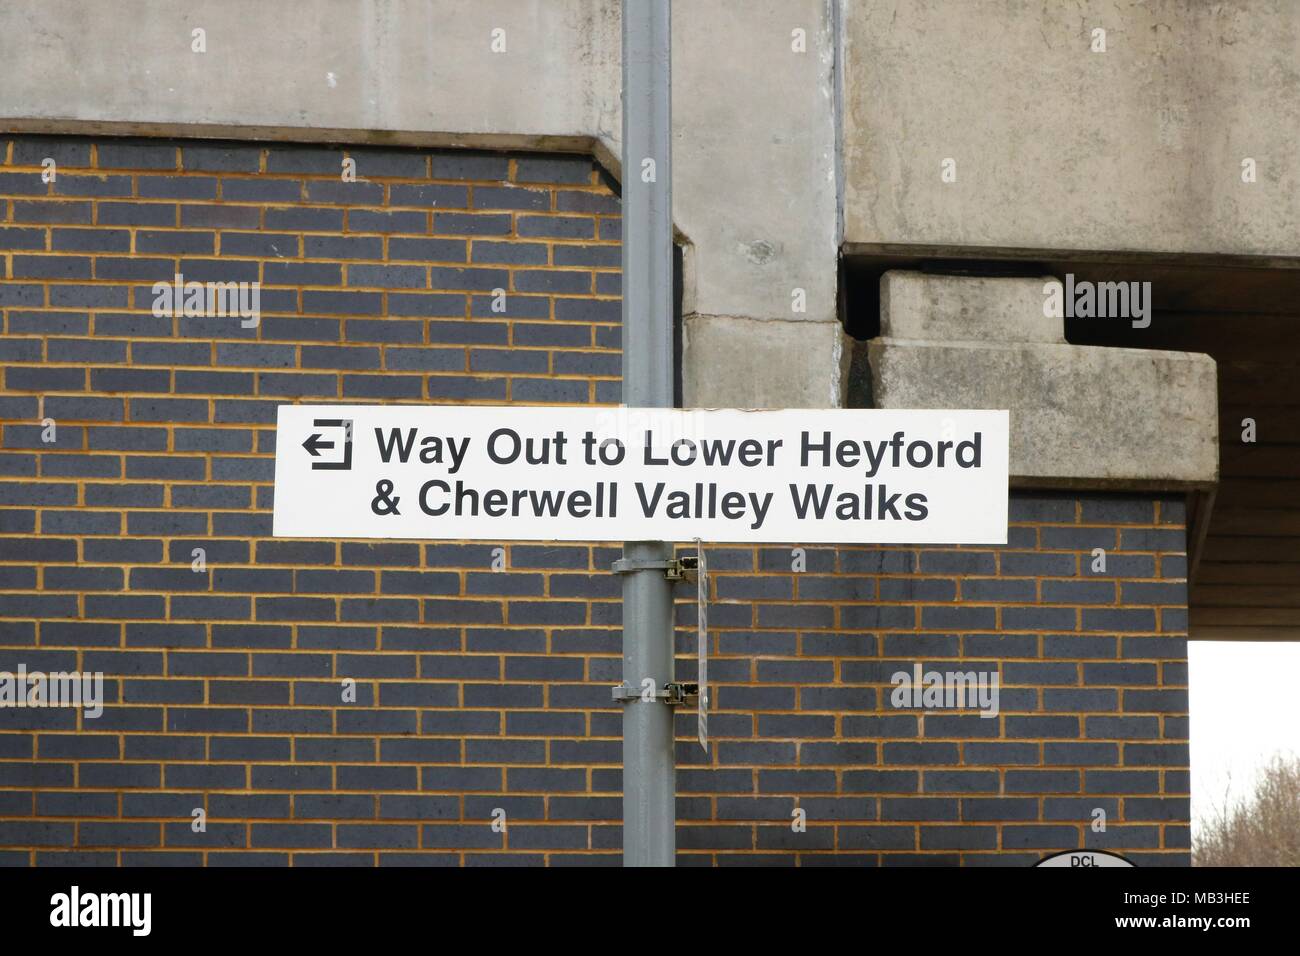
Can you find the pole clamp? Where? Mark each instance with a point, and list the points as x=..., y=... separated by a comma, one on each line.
x=673, y=694
x=675, y=569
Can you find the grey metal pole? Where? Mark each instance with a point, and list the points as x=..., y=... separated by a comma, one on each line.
x=649, y=776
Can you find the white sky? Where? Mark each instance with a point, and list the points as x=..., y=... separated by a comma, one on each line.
x=1245, y=707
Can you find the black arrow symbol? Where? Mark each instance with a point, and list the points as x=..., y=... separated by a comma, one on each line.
x=314, y=443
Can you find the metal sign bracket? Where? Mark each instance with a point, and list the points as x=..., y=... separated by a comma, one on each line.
x=675, y=569
x=674, y=694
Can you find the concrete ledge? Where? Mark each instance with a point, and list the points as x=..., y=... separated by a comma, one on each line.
x=1080, y=416
x=733, y=362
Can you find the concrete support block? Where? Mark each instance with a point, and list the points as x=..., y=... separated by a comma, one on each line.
x=916, y=305
x=1080, y=416
x=733, y=362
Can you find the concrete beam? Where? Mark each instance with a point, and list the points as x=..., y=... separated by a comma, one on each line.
x=1056, y=147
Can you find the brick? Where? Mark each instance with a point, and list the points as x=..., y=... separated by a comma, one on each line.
x=365, y=220
x=388, y=277
x=553, y=281
x=470, y=224
x=1038, y=837
x=1080, y=699
x=175, y=241
x=18, y=465
x=509, y=252
x=434, y=195
x=957, y=562
x=15, y=407
x=1141, y=592
x=293, y=385
x=587, y=364
x=836, y=754
x=958, y=618
x=50, y=267
x=1047, y=673
x=512, y=306
x=1078, y=539
x=66, y=151
x=1128, y=728
x=379, y=609
x=21, y=295
x=554, y=168
x=383, y=386
x=74, y=185
x=1080, y=754
x=122, y=324
x=136, y=214
x=290, y=835
x=569, y=200
x=45, y=379
x=176, y=187
x=1041, y=781
x=83, y=579
x=24, y=185
x=344, y=193
x=1160, y=701
x=1148, y=539
x=236, y=159
x=1079, y=592
x=1110, y=510
x=556, y=227
x=1124, y=566
x=133, y=155
x=548, y=390
x=1083, y=646
x=46, y=211
x=80, y=633
x=1118, y=619
x=302, y=219
x=1107, y=673
x=508, y=197
x=25, y=350
x=57, y=804
x=261, y=190
x=37, y=605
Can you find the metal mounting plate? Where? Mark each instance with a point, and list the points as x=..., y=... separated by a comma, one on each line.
x=673, y=694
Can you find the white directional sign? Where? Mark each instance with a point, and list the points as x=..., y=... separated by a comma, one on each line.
x=618, y=474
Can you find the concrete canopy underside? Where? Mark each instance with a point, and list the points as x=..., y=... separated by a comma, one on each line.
x=1245, y=582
